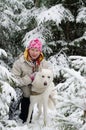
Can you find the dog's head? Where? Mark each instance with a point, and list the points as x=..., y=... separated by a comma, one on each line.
x=43, y=78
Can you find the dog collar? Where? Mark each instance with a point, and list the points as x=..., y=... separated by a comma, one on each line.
x=33, y=93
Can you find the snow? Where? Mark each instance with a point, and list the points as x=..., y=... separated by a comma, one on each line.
x=67, y=98
x=81, y=15
x=71, y=91
x=4, y=73
x=8, y=92
x=78, y=39
x=8, y=23
x=3, y=52
x=59, y=12
x=37, y=124
x=30, y=35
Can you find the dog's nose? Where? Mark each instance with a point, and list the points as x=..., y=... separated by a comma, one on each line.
x=45, y=83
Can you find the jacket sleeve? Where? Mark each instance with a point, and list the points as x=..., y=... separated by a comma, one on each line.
x=22, y=81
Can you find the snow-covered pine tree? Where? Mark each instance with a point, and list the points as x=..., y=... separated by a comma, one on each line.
x=59, y=24
x=7, y=92
x=60, y=30
x=21, y=20
x=75, y=31
x=71, y=107
x=11, y=26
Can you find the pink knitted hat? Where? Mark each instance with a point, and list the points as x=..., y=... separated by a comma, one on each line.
x=36, y=43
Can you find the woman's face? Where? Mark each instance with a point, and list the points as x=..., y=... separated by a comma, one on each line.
x=34, y=53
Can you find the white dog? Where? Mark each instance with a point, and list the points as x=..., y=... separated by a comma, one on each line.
x=41, y=93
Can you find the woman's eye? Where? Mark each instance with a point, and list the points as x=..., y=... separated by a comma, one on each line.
x=42, y=76
x=49, y=77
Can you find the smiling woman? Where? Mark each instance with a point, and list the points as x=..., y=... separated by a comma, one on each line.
x=25, y=69
x=34, y=53
x=34, y=49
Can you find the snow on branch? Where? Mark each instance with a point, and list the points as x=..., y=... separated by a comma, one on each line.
x=78, y=63
x=35, y=33
x=72, y=122
x=81, y=17
x=4, y=73
x=78, y=39
x=3, y=52
x=60, y=13
x=76, y=75
x=8, y=92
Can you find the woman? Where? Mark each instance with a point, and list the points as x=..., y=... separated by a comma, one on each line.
x=24, y=70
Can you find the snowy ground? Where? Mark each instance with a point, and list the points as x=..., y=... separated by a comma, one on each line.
x=37, y=124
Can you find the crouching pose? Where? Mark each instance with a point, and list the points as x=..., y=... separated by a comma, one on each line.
x=24, y=68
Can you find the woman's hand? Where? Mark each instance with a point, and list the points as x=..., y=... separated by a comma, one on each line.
x=32, y=76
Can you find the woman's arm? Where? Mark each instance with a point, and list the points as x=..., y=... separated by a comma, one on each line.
x=16, y=70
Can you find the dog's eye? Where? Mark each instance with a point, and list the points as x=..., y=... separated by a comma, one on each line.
x=48, y=77
x=42, y=76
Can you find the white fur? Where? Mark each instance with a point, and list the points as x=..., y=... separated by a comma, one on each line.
x=43, y=84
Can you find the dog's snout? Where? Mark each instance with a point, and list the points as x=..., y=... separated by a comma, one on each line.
x=45, y=83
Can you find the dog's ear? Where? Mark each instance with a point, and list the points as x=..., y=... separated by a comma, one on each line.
x=40, y=69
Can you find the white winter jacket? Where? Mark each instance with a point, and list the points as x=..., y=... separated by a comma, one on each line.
x=22, y=69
